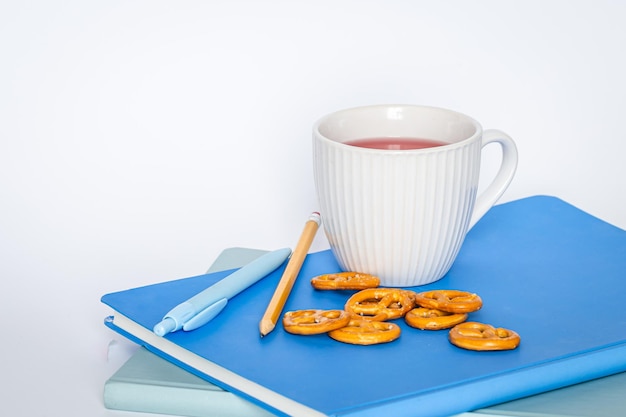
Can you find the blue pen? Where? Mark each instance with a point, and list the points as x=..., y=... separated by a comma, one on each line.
x=204, y=306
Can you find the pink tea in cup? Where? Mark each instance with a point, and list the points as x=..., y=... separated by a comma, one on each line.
x=395, y=143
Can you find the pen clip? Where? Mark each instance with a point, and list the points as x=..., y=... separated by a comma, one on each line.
x=205, y=315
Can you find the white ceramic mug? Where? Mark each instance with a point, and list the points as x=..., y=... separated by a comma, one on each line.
x=402, y=214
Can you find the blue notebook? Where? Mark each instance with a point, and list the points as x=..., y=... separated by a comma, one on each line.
x=544, y=268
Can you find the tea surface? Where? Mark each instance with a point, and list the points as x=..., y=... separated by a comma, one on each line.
x=393, y=143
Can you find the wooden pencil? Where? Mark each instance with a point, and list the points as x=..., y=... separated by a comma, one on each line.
x=275, y=307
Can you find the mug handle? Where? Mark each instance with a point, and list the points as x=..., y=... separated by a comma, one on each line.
x=503, y=178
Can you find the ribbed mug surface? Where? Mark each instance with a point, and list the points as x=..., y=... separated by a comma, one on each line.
x=399, y=215
x=403, y=214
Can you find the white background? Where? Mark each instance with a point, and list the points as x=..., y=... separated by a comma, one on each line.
x=140, y=138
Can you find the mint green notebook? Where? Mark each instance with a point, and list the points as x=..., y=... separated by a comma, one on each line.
x=147, y=383
x=603, y=397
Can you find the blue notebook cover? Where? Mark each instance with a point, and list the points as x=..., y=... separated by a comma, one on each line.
x=543, y=268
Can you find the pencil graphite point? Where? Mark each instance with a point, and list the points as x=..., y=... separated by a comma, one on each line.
x=266, y=326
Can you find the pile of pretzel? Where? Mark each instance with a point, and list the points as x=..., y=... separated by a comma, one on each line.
x=365, y=317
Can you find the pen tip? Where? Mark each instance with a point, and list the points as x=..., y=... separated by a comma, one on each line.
x=164, y=327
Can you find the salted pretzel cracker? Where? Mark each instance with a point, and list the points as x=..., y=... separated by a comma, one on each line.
x=381, y=303
x=366, y=332
x=433, y=319
x=307, y=322
x=480, y=336
x=452, y=301
x=345, y=281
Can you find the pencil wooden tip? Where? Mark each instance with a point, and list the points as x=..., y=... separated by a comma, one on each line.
x=266, y=326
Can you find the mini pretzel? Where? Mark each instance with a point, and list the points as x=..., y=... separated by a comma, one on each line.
x=452, y=301
x=479, y=336
x=365, y=332
x=345, y=281
x=314, y=321
x=381, y=303
x=432, y=319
